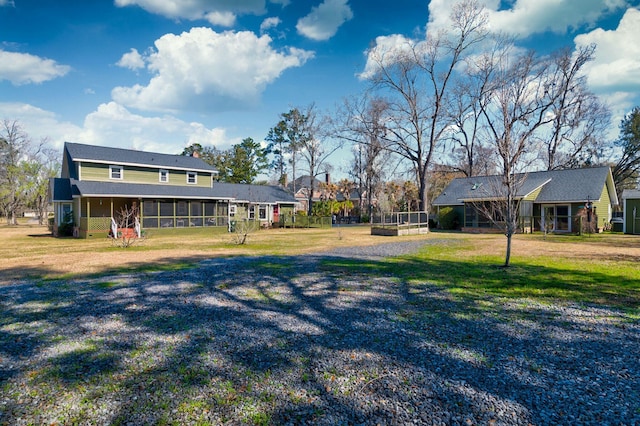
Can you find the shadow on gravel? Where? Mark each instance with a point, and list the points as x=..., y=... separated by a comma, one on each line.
x=307, y=340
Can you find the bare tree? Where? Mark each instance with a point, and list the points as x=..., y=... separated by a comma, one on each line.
x=361, y=122
x=313, y=146
x=515, y=106
x=25, y=169
x=416, y=79
x=466, y=99
x=42, y=165
x=126, y=232
x=626, y=171
x=580, y=120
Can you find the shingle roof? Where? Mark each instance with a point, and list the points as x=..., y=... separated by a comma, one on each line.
x=60, y=190
x=254, y=193
x=557, y=186
x=65, y=189
x=574, y=184
x=103, y=154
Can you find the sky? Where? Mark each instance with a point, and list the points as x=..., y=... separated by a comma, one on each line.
x=159, y=75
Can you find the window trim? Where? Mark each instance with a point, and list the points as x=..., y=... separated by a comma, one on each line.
x=262, y=208
x=166, y=172
x=112, y=168
x=555, y=216
x=195, y=178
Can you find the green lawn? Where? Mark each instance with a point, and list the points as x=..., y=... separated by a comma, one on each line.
x=459, y=267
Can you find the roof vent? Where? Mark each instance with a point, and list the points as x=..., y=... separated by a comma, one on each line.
x=476, y=186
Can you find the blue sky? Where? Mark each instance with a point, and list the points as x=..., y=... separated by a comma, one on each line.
x=159, y=75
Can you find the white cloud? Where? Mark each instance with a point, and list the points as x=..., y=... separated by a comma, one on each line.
x=224, y=19
x=23, y=68
x=617, y=57
x=202, y=69
x=269, y=23
x=132, y=60
x=217, y=12
x=113, y=125
x=39, y=123
x=385, y=52
x=7, y=3
x=527, y=17
x=324, y=20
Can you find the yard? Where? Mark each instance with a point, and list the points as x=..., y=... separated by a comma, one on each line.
x=319, y=327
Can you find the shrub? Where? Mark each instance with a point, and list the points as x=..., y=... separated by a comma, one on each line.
x=65, y=229
x=448, y=218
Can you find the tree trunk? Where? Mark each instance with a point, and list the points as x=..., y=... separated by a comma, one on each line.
x=507, y=258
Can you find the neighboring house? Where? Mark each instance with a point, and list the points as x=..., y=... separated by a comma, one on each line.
x=552, y=200
x=631, y=211
x=302, y=186
x=169, y=191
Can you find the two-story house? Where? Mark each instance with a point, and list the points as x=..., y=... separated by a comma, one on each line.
x=167, y=191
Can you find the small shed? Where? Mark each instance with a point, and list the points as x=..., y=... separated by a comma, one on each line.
x=631, y=211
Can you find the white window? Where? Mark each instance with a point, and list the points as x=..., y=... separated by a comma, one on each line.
x=116, y=172
x=164, y=176
x=192, y=178
x=232, y=210
x=251, y=212
x=262, y=212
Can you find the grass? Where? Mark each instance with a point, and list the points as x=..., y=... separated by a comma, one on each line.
x=598, y=269
x=466, y=270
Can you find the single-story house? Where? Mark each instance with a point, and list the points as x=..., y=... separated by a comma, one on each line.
x=631, y=211
x=168, y=191
x=556, y=201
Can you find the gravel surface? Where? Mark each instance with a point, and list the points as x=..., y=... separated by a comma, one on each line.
x=293, y=340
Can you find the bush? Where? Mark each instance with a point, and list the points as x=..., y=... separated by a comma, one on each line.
x=448, y=218
x=65, y=229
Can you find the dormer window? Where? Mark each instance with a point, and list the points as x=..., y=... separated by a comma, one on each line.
x=116, y=172
x=192, y=178
x=164, y=176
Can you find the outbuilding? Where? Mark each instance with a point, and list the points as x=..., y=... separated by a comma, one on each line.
x=631, y=211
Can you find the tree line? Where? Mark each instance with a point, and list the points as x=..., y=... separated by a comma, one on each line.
x=464, y=101
x=25, y=169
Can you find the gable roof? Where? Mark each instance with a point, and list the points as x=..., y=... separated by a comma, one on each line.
x=304, y=182
x=570, y=185
x=120, y=156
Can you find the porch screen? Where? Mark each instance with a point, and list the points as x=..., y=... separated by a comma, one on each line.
x=166, y=213
x=196, y=208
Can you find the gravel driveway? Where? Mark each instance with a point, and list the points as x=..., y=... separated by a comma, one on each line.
x=275, y=340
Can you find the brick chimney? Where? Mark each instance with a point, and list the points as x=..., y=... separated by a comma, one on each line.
x=195, y=154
